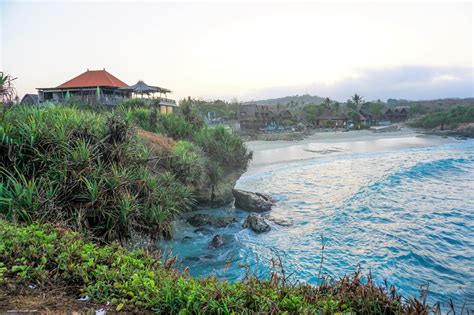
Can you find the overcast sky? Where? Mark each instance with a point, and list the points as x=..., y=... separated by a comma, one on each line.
x=245, y=50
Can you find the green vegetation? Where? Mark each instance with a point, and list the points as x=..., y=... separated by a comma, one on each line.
x=85, y=170
x=449, y=119
x=52, y=257
x=92, y=172
x=218, y=107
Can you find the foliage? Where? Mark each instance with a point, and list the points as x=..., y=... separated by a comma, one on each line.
x=357, y=99
x=223, y=147
x=217, y=144
x=186, y=163
x=53, y=257
x=450, y=118
x=312, y=111
x=7, y=90
x=85, y=170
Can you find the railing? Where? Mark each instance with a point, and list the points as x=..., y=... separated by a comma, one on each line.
x=167, y=101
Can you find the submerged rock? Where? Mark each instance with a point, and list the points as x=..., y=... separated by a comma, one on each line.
x=201, y=219
x=217, y=241
x=250, y=201
x=256, y=223
x=220, y=240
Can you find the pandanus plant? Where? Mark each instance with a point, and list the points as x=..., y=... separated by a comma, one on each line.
x=7, y=91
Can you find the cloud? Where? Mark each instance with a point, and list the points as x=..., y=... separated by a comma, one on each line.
x=405, y=82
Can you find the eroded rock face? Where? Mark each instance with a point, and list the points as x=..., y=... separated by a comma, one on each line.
x=253, y=202
x=221, y=195
x=201, y=219
x=256, y=223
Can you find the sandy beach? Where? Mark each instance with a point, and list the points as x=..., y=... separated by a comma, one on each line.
x=322, y=144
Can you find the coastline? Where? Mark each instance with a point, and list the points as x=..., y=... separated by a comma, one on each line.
x=322, y=144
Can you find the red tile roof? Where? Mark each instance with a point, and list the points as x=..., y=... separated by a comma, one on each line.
x=93, y=78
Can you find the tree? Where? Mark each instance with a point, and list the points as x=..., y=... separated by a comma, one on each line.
x=351, y=105
x=327, y=102
x=376, y=109
x=357, y=99
x=337, y=107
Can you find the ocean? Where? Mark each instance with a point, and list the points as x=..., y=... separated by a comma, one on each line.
x=400, y=208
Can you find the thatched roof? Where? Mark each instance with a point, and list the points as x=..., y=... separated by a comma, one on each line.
x=142, y=87
x=328, y=115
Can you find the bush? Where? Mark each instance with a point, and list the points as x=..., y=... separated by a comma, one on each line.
x=228, y=150
x=85, y=170
x=186, y=162
x=52, y=257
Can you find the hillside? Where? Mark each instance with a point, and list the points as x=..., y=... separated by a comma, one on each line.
x=296, y=99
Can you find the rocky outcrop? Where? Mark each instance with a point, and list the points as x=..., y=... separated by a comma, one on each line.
x=218, y=195
x=201, y=219
x=254, y=202
x=256, y=223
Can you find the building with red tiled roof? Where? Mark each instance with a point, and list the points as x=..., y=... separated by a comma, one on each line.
x=93, y=78
x=92, y=86
x=101, y=87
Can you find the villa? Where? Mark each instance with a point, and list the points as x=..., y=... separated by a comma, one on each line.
x=101, y=87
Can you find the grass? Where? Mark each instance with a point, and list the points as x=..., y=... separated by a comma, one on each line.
x=48, y=256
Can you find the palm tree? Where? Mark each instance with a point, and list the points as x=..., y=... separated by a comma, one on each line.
x=337, y=106
x=357, y=99
x=327, y=102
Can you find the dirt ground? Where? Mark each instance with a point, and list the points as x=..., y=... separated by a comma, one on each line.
x=27, y=300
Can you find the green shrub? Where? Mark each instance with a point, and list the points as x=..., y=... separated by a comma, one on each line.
x=223, y=147
x=85, y=170
x=186, y=162
x=52, y=257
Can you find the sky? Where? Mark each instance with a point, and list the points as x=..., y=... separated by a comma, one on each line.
x=246, y=50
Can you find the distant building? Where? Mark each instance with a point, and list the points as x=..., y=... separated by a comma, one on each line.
x=397, y=115
x=30, y=99
x=330, y=119
x=253, y=116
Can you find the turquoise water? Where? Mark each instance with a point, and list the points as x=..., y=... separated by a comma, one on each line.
x=404, y=213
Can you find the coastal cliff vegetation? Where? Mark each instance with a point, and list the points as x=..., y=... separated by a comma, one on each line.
x=98, y=173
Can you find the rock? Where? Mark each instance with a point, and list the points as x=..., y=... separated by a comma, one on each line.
x=254, y=202
x=223, y=221
x=256, y=224
x=278, y=220
x=217, y=241
x=220, y=240
x=187, y=238
x=221, y=195
x=201, y=219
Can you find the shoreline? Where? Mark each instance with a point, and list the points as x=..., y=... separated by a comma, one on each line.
x=322, y=144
